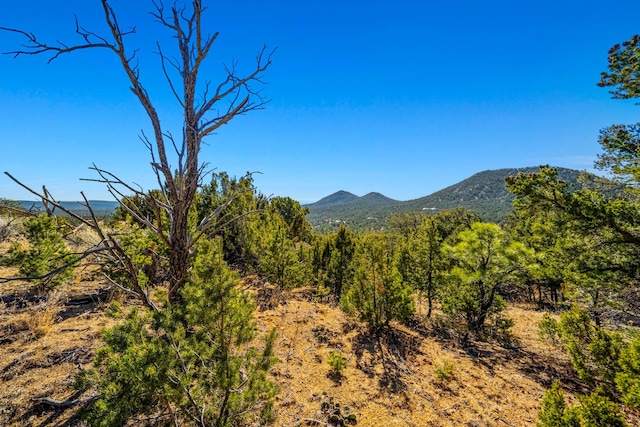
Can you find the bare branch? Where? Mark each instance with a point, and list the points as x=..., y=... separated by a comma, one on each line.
x=51, y=273
x=237, y=83
x=46, y=199
x=119, y=286
x=178, y=184
x=164, y=59
x=36, y=47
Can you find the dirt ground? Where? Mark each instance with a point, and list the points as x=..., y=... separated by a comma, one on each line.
x=413, y=375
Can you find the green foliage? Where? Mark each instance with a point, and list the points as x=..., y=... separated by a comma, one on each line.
x=601, y=358
x=294, y=216
x=452, y=221
x=445, y=372
x=594, y=351
x=549, y=329
x=597, y=236
x=597, y=271
x=237, y=203
x=596, y=227
x=191, y=363
x=628, y=378
x=378, y=293
x=405, y=224
x=621, y=157
x=278, y=259
x=553, y=412
x=332, y=256
x=594, y=410
x=420, y=256
x=266, y=237
x=337, y=361
x=147, y=258
x=46, y=260
x=421, y=260
x=597, y=410
x=624, y=69
x=275, y=255
x=546, y=272
x=483, y=259
x=134, y=208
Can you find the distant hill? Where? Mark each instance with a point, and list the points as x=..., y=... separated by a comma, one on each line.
x=483, y=193
x=342, y=206
x=100, y=207
x=344, y=198
x=373, y=199
x=338, y=198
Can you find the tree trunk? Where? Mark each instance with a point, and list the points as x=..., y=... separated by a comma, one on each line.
x=485, y=306
x=429, y=296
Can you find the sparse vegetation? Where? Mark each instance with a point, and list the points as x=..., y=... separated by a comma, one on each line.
x=337, y=414
x=337, y=362
x=45, y=258
x=187, y=340
x=444, y=371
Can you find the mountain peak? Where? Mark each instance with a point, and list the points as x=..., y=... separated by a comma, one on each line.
x=338, y=198
x=377, y=198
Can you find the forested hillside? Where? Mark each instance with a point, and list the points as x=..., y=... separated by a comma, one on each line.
x=483, y=193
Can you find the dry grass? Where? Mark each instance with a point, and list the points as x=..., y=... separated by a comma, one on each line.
x=394, y=379
x=42, y=345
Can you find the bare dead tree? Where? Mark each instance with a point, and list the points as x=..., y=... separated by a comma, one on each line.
x=204, y=112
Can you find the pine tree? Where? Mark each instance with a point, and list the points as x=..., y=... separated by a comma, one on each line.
x=378, y=293
x=46, y=259
x=483, y=259
x=194, y=363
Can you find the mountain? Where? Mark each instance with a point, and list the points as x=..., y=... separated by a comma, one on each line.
x=342, y=206
x=338, y=198
x=483, y=193
x=484, y=186
x=376, y=199
x=342, y=198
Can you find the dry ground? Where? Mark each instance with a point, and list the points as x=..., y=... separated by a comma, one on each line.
x=391, y=380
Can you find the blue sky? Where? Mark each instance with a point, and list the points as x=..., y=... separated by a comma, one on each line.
x=403, y=98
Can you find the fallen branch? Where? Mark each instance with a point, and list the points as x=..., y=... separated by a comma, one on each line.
x=82, y=299
x=314, y=421
x=62, y=403
x=22, y=301
x=504, y=421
